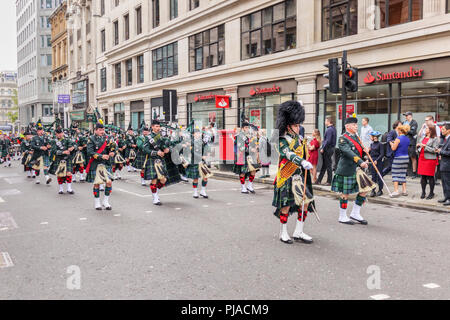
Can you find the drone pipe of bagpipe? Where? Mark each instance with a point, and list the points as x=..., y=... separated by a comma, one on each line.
x=375, y=167
x=304, y=195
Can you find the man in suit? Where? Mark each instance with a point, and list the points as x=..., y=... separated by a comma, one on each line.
x=327, y=150
x=412, y=135
x=444, y=153
x=391, y=136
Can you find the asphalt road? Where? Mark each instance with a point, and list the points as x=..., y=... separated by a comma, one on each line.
x=225, y=247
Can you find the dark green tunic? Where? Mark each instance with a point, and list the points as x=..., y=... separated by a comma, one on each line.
x=94, y=144
x=198, y=149
x=57, y=155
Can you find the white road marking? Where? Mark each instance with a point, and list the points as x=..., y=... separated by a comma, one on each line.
x=380, y=297
x=431, y=285
x=82, y=219
x=149, y=211
x=205, y=206
x=9, y=192
x=5, y=260
x=117, y=215
x=7, y=221
x=4, y=228
x=177, y=208
x=1, y=200
x=45, y=222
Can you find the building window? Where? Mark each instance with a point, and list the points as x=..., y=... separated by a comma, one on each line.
x=126, y=23
x=138, y=20
x=165, y=61
x=193, y=4
x=103, y=79
x=129, y=66
x=207, y=49
x=339, y=19
x=47, y=110
x=118, y=75
x=103, y=40
x=116, y=2
x=140, y=68
x=269, y=30
x=173, y=9
x=116, y=32
x=102, y=7
x=447, y=9
x=155, y=10
x=392, y=12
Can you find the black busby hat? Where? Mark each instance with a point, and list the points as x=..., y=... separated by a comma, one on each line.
x=59, y=130
x=99, y=125
x=245, y=124
x=289, y=112
x=351, y=119
x=155, y=122
x=129, y=126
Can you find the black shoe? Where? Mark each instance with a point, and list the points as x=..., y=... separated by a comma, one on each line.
x=347, y=222
x=423, y=195
x=206, y=197
x=364, y=222
x=430, y=196
x=48, y=181
x=70, y=192
x=61, y=192
x=379, y=193
x=373, y=193
x=287, y=241
x=447, y=203
x=99, y=208
x=442, y=200
x=108, y=208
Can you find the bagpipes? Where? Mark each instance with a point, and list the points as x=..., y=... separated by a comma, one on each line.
x=79, y=158
x=61, y=171
x=204, y=171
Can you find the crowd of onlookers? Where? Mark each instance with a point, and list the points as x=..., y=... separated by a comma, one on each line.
x=425, y=151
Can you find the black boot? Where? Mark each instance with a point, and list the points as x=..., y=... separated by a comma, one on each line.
x=423, y=195
x=373, y=193
x=380, y=192
x=430, y=196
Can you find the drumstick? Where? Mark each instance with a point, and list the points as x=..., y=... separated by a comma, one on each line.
x=376, y=169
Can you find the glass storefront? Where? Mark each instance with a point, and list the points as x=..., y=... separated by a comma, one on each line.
x=262, y=110
x=385, y=103
x=205, y=112
x=119, y=115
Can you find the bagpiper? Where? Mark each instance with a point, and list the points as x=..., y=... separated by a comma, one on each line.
x=79, y=154
x=100, y=150
x=140, y=155
x=40, y=144
x=118, y=161
x=243, y=159
x=131, y=148
x=27, y=153
x=61, y=165
x=5, y=144
x=290, y=194
x=345, y=178
x=198, y=152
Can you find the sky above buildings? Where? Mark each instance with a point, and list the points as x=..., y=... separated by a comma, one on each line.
x=8, y=43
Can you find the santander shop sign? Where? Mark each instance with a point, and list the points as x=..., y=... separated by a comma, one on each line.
x=381, y=76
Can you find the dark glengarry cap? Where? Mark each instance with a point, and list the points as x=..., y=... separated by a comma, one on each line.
x=155, y=122
x=99, y=125
x=245, y=124
x=351, y=120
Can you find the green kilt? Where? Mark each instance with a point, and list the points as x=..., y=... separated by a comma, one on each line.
x=138, y=163
x=150, y=172
x=241, y=169
x=90, y=176
x=55, y=164
x=344, y=184
x=192, y=171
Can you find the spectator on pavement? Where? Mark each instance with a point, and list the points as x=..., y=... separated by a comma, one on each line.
x=389, y=153
x=444, y=153
x=426, y=148
x=314, y=147
x=377, y=154
x=412, y=136
x=401, y=160
x=429, y=121
x=366, y=129
x=327, y=150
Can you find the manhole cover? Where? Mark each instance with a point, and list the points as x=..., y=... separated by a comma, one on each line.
x=5, y=260
x=7, y=221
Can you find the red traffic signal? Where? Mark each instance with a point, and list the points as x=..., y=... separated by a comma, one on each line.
x=351, y=79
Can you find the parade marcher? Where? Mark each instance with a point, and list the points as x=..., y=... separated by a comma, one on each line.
x=344, y=180
x=119, y=160
x=61, y=165
x=40, y=144
x=377, y=154
x=131, y=149
x=140, y=155
x=5, y=149
x=242, y=167
x=154, y=148
x=27, y=152
x=100, y=150
x=80, y=155
x=289, y=183
x=197, y=168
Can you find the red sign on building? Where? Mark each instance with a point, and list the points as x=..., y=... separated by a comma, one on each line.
x=203, y=98
x=222, y=102
x=258, y=90
x=381, y=76
x=348, y=111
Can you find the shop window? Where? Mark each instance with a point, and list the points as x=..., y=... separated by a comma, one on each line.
x=165, y=61
x=207, y=49
x=269, y=30
x=339, y=19
x=393, y=12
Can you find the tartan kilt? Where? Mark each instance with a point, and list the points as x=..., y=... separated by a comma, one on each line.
x=5, y=152
x=344, y=184
x=192, y=171
x=55, y=164
x=90, y=176
x=150, y=172
x=138, y=163
x=241, y=168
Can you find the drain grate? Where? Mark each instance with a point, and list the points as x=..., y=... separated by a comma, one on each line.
x=5, y=260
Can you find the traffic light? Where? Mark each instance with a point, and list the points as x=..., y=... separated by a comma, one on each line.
x=351, y=79
x=332, y=75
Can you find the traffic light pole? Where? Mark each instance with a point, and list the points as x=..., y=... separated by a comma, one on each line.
x=344, y=90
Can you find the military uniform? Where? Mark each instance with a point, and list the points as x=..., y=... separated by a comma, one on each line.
x=199, y=148
x=344, y=180
x=130, y=141
x=243, y=145
x=5, y=153
x=36, y=143
x=81, y=142
x=59, y=146
x=25, y=149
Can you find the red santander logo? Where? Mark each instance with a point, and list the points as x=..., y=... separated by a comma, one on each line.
x=369, y=78
x=382, y=76
x=258, y=90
